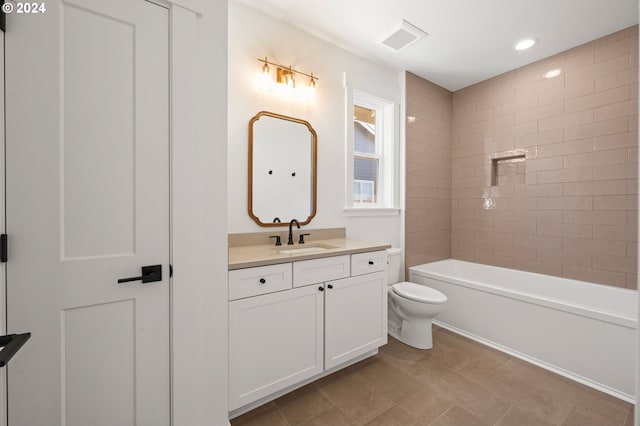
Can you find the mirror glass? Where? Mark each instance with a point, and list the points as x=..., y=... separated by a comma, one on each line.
x=282, y=170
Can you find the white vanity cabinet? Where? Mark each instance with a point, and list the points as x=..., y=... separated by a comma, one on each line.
x=323, y=318
x=275, y=341
x=355, y=317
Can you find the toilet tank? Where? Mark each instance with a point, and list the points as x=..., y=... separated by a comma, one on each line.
x=394, y=267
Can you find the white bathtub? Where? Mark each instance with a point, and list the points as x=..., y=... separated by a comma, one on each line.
x=583, y=331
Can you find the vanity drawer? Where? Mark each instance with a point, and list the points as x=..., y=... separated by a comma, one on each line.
x=259, y=280
x=315, y=271
x=365, y=263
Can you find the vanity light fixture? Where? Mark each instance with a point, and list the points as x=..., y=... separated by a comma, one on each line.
x=286, y=75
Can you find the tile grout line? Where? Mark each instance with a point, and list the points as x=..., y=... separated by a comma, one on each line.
x=505, y=414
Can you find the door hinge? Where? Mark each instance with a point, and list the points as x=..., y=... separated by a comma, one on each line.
x=170, y=270
x=4, y=250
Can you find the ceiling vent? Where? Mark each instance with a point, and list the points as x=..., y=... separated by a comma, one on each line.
x=404, y=37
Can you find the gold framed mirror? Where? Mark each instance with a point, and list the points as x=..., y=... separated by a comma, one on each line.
x=282, y=169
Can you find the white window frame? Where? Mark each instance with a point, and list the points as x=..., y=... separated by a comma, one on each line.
x=386, y=136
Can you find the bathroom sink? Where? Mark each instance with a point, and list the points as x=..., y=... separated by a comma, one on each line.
x=308, y=248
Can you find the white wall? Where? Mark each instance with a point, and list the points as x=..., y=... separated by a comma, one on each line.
x=253, y=35
x=199, y=240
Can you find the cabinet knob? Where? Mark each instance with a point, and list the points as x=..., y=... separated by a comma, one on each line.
x=262, y=281
x=371, y=262
x=330, y=286
x=321, y=288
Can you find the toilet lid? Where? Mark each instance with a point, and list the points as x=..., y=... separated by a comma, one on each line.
x=419, y=293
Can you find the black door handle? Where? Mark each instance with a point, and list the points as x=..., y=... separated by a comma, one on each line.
x=149, y=274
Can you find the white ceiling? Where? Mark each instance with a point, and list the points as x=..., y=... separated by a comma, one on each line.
x=469, y=40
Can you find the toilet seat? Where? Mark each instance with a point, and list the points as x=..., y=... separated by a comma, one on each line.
x=418, y=293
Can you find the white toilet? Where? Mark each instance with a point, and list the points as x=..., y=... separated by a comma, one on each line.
x=411, y=306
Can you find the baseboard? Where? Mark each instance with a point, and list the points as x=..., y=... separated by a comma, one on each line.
x=554, y=369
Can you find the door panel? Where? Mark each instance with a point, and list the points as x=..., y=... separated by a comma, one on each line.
x=88, y=203
x=99, y=72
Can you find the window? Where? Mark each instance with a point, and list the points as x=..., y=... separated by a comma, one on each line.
x=371, y=153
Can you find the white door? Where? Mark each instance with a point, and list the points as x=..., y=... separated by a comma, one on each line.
x=355, y=317
x=87, y=149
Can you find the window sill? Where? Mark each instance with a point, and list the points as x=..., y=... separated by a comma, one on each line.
x=371, y=211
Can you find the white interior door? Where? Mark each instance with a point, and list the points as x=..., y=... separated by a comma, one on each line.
x=87, y=147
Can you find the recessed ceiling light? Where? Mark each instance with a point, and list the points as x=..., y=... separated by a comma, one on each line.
x=525, y=44
x=553, y=73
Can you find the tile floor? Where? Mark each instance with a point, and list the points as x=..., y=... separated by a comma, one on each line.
x=458, y=382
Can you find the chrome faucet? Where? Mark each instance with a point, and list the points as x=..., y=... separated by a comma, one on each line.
x=290, y=242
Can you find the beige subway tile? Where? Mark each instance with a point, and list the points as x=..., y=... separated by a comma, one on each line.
x=616, y=171
x=538, y=241
x=615, y=202
x=551, y=163
x=493, y=237
x=632, y=125
x=505, y=109
x=540, y=138
x=615, y=232
x=543, y=190
x=603, y=187
x=577, y=89
x=596, y=217
x=462, y=254
x=632, y=250
x=565, y=203
x=566, y=175
x=566, y=120
x=632, y=218
x=634, y=89
x=596, y=70
x=513, y=250
x=531, y=179
x=632, y=186
x=617, y=79
x=632, y=154
x=617, y=279
x=517, y=131
x=579, y=57
x=525, y=228
x=609, y=262
x=489, y=259
x=573, y=230
x=473, y=225
x=583, y=245
x=600, y=158
x=531, y=265
x=527, y=103
x=619, y=140
x=601, y=128
x=473, y=118
x=619, y=109
x=632, y=284
x=566, y=148
x=495, y=215
x=565, y=257
x=535, y=215
x=606, y=97
x=463, y=214
x=618, y=48
x=546, y=111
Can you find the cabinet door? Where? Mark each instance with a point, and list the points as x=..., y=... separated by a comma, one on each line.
x=275, y=340
x=355, y=317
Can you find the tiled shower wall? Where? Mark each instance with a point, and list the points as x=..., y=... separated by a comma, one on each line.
x=570, y=208
x=428, y=167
